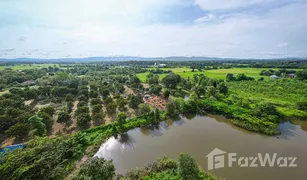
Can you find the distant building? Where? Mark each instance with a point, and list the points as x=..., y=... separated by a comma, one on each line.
x=274, y=77
x=158, y=65
x=290, y=75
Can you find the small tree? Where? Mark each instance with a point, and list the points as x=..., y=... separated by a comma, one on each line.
x=187, y=167
x=166, y=93
x=96, y=168
x=83, y=120
x=121, y=119
x=63, y=117
x=96, y=101
x=47, y=119
x=38, y=128
x=97, y=109
x=17, y=130
x=111, y=107
x=144, y=109
x=48, y=109
x=70, y=105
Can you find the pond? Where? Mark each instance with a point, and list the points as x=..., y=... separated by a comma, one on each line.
x=199, y=136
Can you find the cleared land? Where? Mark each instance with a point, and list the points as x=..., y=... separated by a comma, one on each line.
x=214, y=73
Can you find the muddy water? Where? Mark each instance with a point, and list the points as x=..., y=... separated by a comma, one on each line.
x=199, y=136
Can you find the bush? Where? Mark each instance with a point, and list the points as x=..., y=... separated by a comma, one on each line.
x=83, y=120
x=48, y=109
x=47, y=119
x=301, y=105
x=17, y=130
x=97, y=109
x=96, y=101
x=96, y=168
x=187, y=167
x=111, y=107
x=63, y=117
x=70, y=105
x=83, y=110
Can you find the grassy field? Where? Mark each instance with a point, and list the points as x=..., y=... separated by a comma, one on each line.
x=216, y=73
x=28, y=66
x=283, y=93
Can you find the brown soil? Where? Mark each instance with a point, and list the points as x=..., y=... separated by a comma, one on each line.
x=156, y=102
x=128, y=90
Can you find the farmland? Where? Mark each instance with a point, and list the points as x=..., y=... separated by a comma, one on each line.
x=214, y=73
x=28, y=66
x=68, y=112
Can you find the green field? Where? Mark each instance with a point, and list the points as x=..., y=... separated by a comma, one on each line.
x=216, y=73
x=28, y=66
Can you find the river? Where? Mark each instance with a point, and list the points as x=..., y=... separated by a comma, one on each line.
x=199, y=136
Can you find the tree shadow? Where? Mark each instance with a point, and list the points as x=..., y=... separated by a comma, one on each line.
x=21, y=139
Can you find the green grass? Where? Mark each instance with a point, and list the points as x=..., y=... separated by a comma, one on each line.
x=215, y=73
x=4, y=92
x=284, y=94
x=28, y=66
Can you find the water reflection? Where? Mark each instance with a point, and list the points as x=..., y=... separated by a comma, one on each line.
x=287, y=130
x=301, y=123
x=201, y=135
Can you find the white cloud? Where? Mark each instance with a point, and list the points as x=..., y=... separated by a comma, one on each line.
x=284, y=44
x=114, y=27
x=227, y=4
x=206, y=18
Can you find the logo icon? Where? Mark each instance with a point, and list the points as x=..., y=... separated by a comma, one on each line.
x=216, y=159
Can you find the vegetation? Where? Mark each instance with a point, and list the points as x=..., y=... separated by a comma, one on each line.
x=110, y=100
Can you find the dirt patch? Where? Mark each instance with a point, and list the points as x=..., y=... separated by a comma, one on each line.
x=7, y=142
x=57, y=128
x=128, y=90
x=145, y=85
x=28, y=102
x=156, y=102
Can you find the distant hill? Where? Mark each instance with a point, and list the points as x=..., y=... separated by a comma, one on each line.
x=130, y=58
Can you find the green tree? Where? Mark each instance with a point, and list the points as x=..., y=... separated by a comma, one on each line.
x=134, y=101
x=121, y=102
x=70, y=105
x=47, y=119
x=96, y=101
x=144, y=109
x=63, y=117
x=171, y=80
x=155, y=89
x=222, y=88
x=121, y=119
x=83, y=120
x=97, y=109
x=111, y=107
x=96, y=168
x=38, y=128
x=187, y=167
x=48, y=109
x=17, y=130
x=166, y=93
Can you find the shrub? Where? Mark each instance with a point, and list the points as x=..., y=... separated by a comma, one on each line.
x=96, y=168
x=48, y=109
x=63, y=117
x=187, y=167
x=83, y=119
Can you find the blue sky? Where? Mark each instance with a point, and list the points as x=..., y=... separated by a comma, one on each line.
x=219, y=28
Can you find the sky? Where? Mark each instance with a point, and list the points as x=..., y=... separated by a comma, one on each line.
x=153, y=28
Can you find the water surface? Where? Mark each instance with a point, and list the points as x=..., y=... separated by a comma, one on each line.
x=199, y=136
